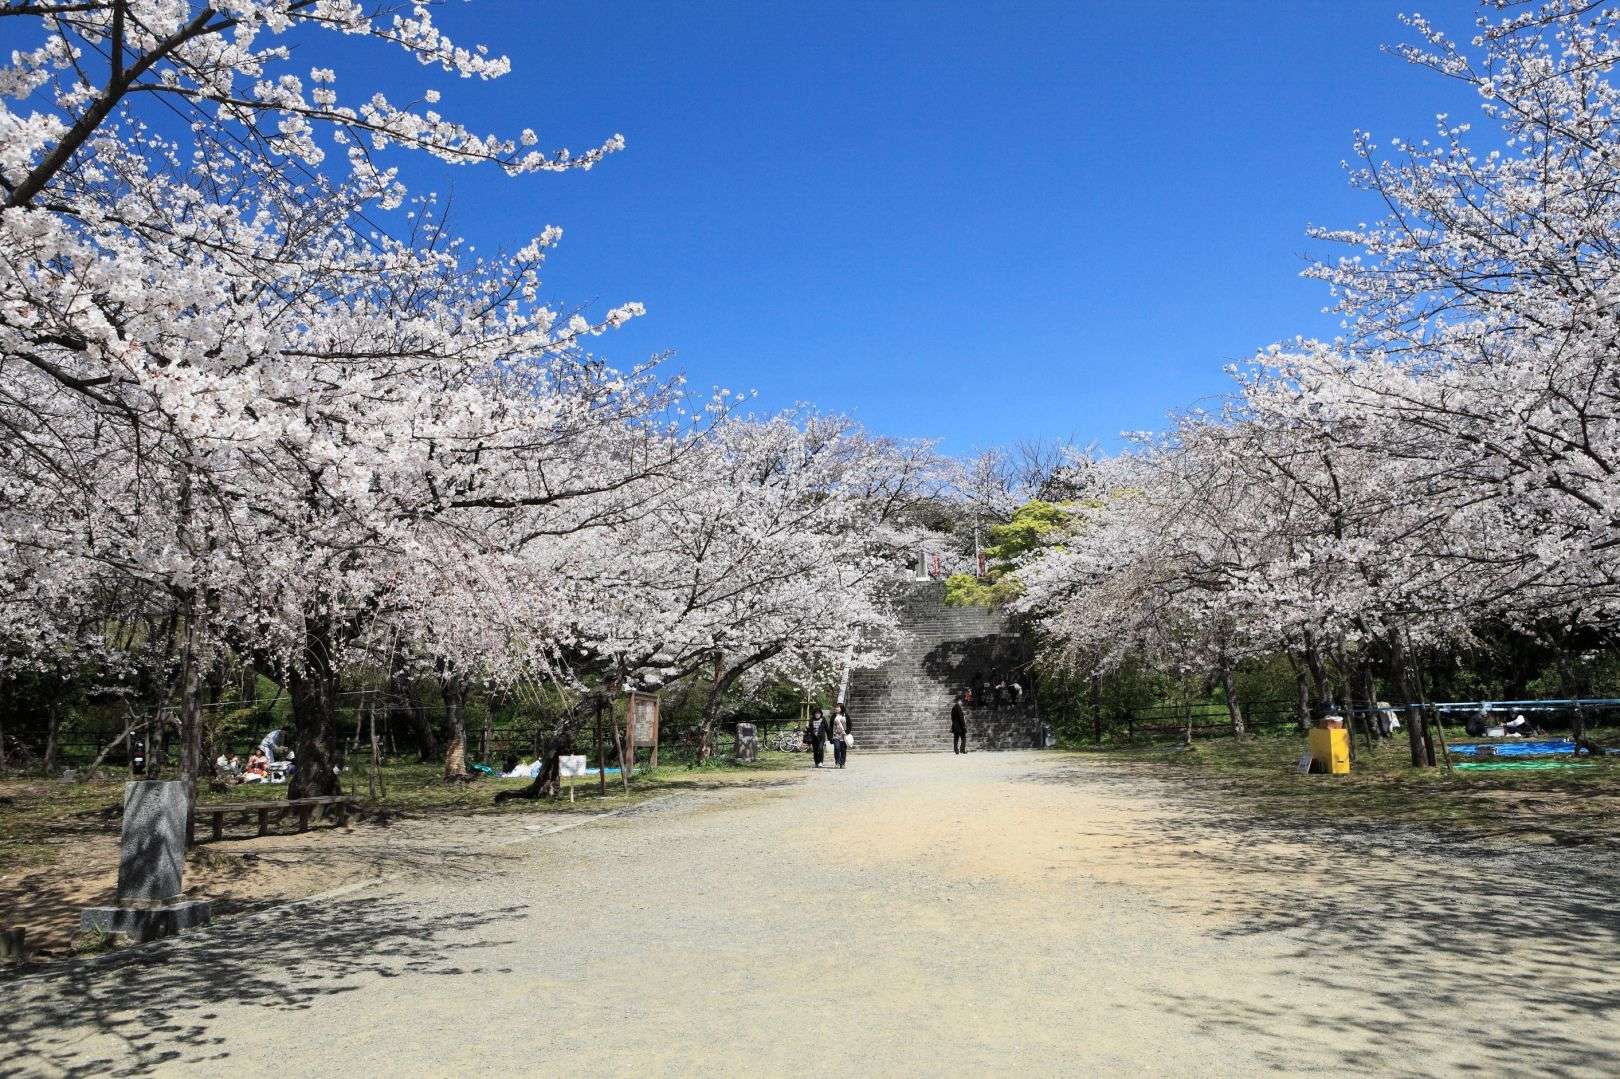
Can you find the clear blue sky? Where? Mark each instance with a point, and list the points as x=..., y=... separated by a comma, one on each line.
x=965, y=221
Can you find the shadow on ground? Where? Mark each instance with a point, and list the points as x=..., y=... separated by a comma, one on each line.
x=1490, y=959
x=133, y=1012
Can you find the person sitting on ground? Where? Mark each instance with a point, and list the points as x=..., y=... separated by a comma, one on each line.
x=1519, y=727
x=257, y=769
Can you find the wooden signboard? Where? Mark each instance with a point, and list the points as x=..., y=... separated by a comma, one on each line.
x=641, y=725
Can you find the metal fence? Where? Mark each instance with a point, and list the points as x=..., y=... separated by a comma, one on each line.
x=1210, y=720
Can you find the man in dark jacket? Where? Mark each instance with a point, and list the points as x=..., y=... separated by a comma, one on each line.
x=958, y=725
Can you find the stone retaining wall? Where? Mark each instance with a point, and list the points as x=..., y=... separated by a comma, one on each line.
x=905, y=705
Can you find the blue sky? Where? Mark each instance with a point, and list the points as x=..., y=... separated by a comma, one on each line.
x=971, y=222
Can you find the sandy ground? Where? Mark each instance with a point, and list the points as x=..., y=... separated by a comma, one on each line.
x=927, y=915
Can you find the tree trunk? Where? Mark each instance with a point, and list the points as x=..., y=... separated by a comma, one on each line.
x=711, y=711
x=1302, y=698
x=1186, y=713
x=549, y=780
x=1369, y=689
x=454, y=688
x=1096, y=708
x=1572, y=692
x=53, y=728
x=403, y=696
x=1403, y=688
x=1239, y=730
x=601, y=751
x=190, y=721
x=249, y=682
x=723, y=680
x=374, y=780
x=710, y=719
x=5, y=711
x=1320, y=683
x=313, y=686
x=487, y=735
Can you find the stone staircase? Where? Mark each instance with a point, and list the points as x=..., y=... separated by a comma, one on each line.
x=905, y=705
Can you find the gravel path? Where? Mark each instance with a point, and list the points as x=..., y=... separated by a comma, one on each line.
x=911, y=915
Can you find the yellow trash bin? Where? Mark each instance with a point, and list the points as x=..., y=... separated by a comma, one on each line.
x=1330, y=750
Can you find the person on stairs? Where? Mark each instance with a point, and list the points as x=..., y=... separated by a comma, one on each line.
x=959, y=725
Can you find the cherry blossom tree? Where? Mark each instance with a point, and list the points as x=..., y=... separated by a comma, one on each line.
x=221, y=382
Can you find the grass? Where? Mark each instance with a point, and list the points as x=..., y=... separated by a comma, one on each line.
x=38, y=816
x=1570, y=805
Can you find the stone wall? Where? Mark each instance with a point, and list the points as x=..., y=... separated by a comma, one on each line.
x=905, y=705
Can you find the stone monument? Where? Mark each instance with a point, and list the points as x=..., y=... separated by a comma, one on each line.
x=151, y=857
x=747, y=742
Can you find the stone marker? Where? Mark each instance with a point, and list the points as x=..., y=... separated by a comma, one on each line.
x=747, y=742
x=151, y=856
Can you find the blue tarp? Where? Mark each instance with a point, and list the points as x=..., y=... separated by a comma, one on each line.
x=1549, y=747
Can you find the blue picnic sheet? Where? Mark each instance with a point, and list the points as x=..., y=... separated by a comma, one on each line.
x=1546, y=747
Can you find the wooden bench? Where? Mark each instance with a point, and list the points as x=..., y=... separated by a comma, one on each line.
x=341, y=804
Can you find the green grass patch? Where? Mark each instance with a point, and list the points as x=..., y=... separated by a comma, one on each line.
x=39, y=816
x=1572, y=805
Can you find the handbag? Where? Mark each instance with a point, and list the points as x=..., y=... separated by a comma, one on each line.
x=849, y=741
x=826, y=747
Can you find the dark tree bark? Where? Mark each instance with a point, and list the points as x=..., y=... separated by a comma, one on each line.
x=1403, y=687
x=53, y=729
x=1235, y=713
x=1302, y=694
x=313, y=686
x=548, y=782
x=405, y=698
x=1369, y=689
x=724, y=678
x=1321, y=684
x=1572, y=692
x=454, y=687
x=5, y=709
x=191, y=721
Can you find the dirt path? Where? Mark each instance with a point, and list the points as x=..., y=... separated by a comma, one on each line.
x=933, y=915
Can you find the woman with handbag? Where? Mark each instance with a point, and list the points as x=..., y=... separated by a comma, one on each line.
x=839, y=726
x=815, y=734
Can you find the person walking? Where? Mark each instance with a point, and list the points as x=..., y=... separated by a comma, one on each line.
x=815, y=734
x=839, y=728
x=959, y=725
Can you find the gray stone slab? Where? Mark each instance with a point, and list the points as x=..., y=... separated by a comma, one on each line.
x=147, y=922
x=152, y=844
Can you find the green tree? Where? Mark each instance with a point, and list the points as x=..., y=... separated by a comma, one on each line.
x=1031, y=526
